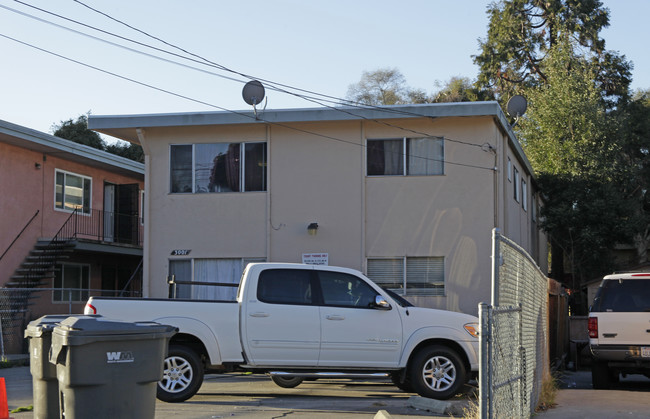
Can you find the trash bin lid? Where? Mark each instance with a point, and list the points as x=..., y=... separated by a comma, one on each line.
x=44, y=325
x=86, y=328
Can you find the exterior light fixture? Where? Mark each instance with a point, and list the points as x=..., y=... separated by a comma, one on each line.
x=37, y=166
x=312, y=229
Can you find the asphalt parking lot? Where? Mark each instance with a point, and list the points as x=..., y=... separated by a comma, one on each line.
x=255, y=396
x=248, y=396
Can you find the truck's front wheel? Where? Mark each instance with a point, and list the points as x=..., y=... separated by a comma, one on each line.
x=437, y=372
x=182, y=375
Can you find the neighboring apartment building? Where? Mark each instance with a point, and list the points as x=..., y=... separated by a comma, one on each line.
x=407, y=194
x=70, y=226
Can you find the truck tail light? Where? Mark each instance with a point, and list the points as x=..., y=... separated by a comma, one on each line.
x=592, y=326
x=89, y=309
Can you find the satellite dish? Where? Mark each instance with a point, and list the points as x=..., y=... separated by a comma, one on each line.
x=253, y=92
x=517, y=106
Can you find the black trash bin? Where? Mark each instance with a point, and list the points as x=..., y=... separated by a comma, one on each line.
x=108, y=369
x=44, y=382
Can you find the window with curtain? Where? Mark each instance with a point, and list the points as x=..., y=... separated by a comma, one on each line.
x=218, y=167
x=410, y=275
x=209, y=270
x=72, y=192
x=405, y=157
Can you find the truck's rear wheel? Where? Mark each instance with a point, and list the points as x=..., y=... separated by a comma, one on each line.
x=182, y=375
x=287, y=382
x=437, y=372
x=600, y=375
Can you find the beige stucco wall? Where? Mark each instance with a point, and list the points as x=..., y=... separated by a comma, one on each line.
x=316, y=173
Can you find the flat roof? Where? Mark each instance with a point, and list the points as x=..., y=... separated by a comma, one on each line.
x=125, y=126
x=41, y=142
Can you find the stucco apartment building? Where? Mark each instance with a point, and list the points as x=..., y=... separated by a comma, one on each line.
x=407, y=194
x=70, y=226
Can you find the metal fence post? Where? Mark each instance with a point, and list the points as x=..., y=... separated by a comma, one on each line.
x=484, y=373
x=496, y=262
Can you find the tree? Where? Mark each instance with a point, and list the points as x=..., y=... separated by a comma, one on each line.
x=567, y=135
x=461, y=89
x=385, y=86
x=78, y=132
x=522, y=32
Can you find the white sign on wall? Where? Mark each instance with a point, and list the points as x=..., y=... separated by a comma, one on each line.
x=316, y=258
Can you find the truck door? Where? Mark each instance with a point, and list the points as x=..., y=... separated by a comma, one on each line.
x=282, y=324
x=353, y=333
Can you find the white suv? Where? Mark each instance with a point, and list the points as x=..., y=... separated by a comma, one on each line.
x=619, y=328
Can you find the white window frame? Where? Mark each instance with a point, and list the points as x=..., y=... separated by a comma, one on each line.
x=83, y=289
x=440, y=291
x=516, y=185
x=524, y=195
x=63, y=208
x=405, y=156
x=509, y=170
x=242, y=166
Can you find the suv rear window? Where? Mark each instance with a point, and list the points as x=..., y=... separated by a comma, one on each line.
x=623, y=295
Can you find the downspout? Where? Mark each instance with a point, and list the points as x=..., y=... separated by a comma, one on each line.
x=146, y=280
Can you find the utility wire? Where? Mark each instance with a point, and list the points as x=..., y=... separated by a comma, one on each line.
x=205, y=61
x=253, y=118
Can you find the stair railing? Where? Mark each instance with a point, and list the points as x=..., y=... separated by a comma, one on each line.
x=19, y=234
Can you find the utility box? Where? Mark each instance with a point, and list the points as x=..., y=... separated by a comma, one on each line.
x=44, y=382
x=108, y=369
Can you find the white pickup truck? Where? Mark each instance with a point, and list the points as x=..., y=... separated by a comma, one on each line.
x=299, y=322
x=619, y=328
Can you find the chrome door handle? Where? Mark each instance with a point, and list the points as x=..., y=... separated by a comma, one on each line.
x=259, y=314
x=334, y=317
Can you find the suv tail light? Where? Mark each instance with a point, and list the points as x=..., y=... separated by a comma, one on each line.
x=592, y=325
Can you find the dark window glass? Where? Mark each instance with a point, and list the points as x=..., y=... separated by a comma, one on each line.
x=285, y=286
x=623, y=295
x=181, y=168
x=344, y=290
x=255, y=167
x=385, y=157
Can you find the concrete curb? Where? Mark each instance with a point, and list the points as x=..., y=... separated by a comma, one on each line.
x=440, y=407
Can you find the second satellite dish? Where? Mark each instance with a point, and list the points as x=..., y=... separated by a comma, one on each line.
x=253, y=92
x=517, y=106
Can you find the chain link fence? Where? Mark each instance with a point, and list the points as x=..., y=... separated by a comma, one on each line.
x=19, y=306
x=514, y=334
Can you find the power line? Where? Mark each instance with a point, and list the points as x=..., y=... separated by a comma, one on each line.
x=205, y=61
x=246, y=115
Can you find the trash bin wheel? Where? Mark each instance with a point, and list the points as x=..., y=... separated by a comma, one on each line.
x=182, y=375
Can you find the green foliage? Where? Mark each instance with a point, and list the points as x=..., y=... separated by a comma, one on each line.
x=385, y=86
x=566, y=130
x=127, y=150
x=522, y=32
x=78, y=132
x=461, y=89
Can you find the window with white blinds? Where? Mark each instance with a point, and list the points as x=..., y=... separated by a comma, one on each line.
x=409, y=276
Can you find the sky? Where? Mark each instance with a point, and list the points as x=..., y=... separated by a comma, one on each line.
x=321, y=46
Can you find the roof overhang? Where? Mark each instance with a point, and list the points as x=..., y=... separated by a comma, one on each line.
x=40, y=142
x=125, y=126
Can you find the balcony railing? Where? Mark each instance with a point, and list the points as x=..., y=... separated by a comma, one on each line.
x=103, y=226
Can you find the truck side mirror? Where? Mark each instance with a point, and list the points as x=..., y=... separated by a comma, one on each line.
x=381, y=303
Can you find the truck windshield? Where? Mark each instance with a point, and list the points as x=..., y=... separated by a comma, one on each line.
x=622, y=295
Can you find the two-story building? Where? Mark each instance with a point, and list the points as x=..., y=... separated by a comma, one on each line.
x=408, y=195
x=70, y=227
